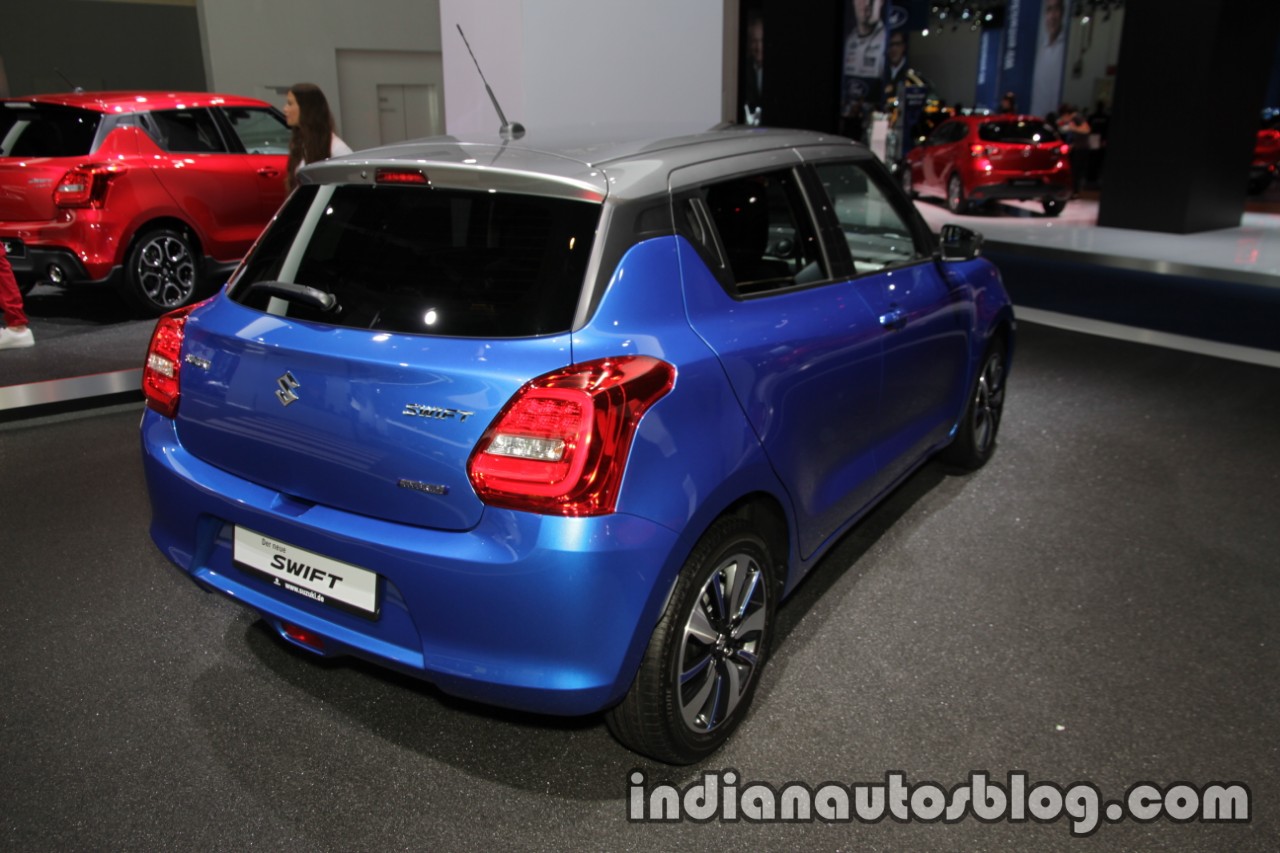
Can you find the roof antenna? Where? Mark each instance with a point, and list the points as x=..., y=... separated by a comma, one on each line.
x=509, y=130
x=77, y=89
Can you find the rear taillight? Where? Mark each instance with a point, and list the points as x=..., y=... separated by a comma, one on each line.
x=85, y=186
x=400, y=176
x=977, y=150
x=560, y=445
x=161, y=385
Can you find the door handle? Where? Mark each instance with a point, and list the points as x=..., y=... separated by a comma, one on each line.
x=895, y=319
x=268, y=172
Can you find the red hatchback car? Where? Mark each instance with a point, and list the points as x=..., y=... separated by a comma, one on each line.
x=1266, y=157
x=972, y=159
x=156, y=193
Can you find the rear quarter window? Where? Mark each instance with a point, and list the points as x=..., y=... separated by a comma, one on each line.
x=421, y=260
x=46, y=131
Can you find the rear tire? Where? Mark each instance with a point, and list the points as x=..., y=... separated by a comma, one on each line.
x=162, y=271
x=700, y=670
x=956, y=201
x=1052, y=206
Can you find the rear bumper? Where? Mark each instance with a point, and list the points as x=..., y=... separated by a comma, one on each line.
x=40, y=265
x=82, y=246
x=1019, y=188
x=531, y=612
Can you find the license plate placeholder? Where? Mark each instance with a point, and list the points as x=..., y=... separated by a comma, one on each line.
x=315, y=576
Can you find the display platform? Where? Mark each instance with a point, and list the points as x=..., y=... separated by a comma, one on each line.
x=1216, y=292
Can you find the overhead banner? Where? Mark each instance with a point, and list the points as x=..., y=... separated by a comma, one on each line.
x=862, y=78
x=1050, y=56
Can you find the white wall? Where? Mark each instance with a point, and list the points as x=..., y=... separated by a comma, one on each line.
x=564, y=63
x=1093, y=52
x=551, y=63
x=253, y=47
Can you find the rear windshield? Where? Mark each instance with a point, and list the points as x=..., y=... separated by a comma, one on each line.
x=28, y=130
x=420, y=260
x=1024, y=132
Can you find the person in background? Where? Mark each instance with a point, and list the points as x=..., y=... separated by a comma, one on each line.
x=1074, y=128
x=15, y=333
x=1009, y=104
x=314, y=137
x=896, y=69
x=1099, y=121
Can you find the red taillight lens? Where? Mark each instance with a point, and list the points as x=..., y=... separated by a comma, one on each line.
x=560, y=445
x=85, y=186
x=160, y=377
x=1064, y=149
x=400, y=176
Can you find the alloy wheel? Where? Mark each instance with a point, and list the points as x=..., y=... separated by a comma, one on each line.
x=722, y=638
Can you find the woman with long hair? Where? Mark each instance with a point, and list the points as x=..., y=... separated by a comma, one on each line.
x=314, y=138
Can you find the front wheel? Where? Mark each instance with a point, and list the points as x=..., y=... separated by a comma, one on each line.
x=975, y=439
x=162, y=271
x=703, y=662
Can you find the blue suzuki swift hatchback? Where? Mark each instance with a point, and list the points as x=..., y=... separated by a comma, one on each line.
x=557, y=424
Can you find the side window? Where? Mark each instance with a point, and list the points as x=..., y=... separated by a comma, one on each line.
x=763, y=232
x=876, y=233
x=261, y=131
x=939, y=136
x=187, y=132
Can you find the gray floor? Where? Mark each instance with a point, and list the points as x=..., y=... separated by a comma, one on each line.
x=1099, y=603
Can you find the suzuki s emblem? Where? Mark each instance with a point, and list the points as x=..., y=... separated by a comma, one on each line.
x=286, y=385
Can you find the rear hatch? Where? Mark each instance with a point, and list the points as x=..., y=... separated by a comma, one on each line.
x=38, y=144
x=1021, y=144
x=374, y=334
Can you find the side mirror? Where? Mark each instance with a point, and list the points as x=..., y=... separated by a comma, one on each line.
x=960, y=243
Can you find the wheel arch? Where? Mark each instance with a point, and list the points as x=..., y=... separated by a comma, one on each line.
x=169, y=221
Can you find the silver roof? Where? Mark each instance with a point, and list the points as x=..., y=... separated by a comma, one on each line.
x=590, y=163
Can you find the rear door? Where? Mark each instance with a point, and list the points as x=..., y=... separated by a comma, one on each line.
x=800, y=347
x=263, y=139
x=945, y=146
x=208, y=180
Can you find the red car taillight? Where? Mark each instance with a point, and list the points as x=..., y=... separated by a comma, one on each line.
x=85, y=186
x=560, y=445
x=161, y=385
